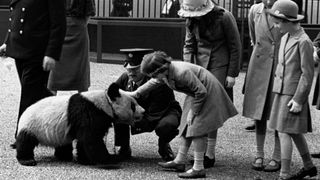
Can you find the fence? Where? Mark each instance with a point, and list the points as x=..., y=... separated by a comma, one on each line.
x=153, y=8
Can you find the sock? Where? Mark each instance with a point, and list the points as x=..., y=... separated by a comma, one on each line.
x=211, y=148
x=260, y=145
x=307, y=161
x=182, y=155
x=285, y=167
x=198, y=161
x=277, y=150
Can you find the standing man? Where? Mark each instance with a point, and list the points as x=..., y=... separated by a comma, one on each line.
x=34, y=39
x=162, y=111
x=258, y=97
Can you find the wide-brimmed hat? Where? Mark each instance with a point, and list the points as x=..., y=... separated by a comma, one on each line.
x=287, y=10
x=134, y=56
x=195, y=8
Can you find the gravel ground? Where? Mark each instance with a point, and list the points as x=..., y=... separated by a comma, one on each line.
x=234, y=152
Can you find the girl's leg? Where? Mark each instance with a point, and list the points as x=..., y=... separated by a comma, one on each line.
x=286, y=153
x=303, y=149
x=211, y=144
x=183, y=150
x=199, y=150
x=277, y=150
x=261, y=126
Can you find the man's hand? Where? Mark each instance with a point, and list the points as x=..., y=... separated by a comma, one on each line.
x=294, y=106
x=230, y=81
x=48, y=63
x=3, y=49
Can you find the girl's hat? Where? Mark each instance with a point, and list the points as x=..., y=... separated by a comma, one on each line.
x=195, y=8
x=287, y=10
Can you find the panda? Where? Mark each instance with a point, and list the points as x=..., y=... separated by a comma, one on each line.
x=56, y=121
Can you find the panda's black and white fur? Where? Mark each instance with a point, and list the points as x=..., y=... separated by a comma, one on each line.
x=58, y=120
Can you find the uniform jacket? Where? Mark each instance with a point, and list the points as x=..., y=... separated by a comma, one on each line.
x=294, y=73
x=36, y=28
x=213, y=41
x=205, y=96
x=264, y=58
x=156, y=103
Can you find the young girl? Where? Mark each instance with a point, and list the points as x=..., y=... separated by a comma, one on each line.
x=206, y=106
x=290, y=114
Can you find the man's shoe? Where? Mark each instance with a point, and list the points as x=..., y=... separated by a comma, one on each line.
x=172, y=165
x=257, y=164
x=273, y=166
x=304, y=172
x=315, y=155
x=124, y=153
x=207, y=162
x=165, y=152
x=251, y=127
x=193, y=174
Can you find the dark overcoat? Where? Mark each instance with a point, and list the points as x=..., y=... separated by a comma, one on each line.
x=36, y=29
x=213, y=42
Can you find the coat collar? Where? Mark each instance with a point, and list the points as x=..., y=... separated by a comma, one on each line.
x=293, y=40
x=261, y=11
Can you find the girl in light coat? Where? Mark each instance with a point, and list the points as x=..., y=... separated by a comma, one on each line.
x=206, y=106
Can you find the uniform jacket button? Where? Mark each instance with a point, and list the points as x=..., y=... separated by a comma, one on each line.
x=21, y=20
x=23, y=9
x=11, y=8
x=10, y=19
x=9, y=30
x=20, y=31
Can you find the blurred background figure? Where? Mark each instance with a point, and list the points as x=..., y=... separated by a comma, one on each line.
x=170, y=9
x=72, y=72
x=121, y=8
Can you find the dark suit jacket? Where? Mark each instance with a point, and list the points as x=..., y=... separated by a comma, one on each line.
x=156, y=103
x=36, y=28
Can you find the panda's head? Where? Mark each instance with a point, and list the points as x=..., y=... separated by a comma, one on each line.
x=126, y=109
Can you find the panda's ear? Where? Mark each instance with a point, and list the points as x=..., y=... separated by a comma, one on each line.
x=113, y=91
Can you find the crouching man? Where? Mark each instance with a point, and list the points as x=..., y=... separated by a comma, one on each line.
x=162, y=111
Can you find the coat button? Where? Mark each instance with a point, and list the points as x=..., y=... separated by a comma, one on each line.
x=21, y=20
x=20, y=31
x=10, y=19
x=9, y=30
x=23, y=9
x=11, y=8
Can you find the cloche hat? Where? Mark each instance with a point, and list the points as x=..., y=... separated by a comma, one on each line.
x=287, y=10
x=195, y=8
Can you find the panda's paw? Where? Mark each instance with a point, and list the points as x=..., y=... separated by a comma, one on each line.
x=27, y=162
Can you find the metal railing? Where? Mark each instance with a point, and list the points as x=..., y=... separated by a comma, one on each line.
x=153, y=8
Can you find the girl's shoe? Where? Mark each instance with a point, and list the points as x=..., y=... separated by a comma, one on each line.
x=257, y=164
x=172, y=165
x=305, y=172
x=272, y=167
x=193, y=174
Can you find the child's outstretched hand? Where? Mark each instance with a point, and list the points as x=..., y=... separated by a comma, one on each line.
x=294, y=106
